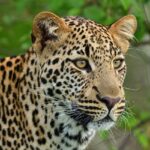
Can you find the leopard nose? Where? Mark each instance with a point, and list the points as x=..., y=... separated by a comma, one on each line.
x=110, y=102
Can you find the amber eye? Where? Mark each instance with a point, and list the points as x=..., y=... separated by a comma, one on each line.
x=82, y=64
x=117, y=63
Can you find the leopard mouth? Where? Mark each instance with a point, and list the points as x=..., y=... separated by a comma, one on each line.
x=84, y=119
x=106, y=119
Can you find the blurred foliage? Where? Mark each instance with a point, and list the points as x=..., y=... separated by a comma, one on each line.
x=16, y=24
x=17, y=15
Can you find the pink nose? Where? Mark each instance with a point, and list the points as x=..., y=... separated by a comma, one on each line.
x=110, y=102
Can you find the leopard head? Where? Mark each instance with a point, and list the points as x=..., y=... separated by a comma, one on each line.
x=82, y=65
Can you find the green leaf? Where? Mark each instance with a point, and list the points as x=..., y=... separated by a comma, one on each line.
x=93, y=12
x=126, y=4
x=74, y=4
x=74, y=12
x=143, y=138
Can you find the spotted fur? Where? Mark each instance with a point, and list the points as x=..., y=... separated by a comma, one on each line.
x=68, y=85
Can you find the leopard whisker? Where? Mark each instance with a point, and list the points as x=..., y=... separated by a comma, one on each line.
x=132, y=89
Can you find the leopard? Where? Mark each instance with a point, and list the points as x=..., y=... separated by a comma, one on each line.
x=67, y=86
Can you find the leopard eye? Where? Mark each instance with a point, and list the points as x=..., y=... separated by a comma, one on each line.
x=82, y=64
x=117, y=63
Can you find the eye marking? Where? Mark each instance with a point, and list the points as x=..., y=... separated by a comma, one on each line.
x=117, y=63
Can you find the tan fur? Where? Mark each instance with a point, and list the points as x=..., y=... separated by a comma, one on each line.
x=61, y=30
x=122, y=31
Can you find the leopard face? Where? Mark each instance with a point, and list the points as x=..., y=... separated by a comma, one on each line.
x=83, y=66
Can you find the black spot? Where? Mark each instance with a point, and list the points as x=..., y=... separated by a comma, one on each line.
x=10, y=122
x=34, y=117
x=49, y=62
x=56, y=132
x=23, y=96
x=83, y=37
x=81, y=32
x=2, y=68
x=67, y=144
x=62, y=141
x=4, y=118
x=10, y=74
x=9, y=64
x=54, y=143
x=50, y=146
x=55, y=53
x=71, y=23
x=74, y=137
x=32, y=148
x=17, y=60
x=14, y=95
x=50, y=92
x=44, y=81
x=45, y=70
x=26, y=107
x=62, y=66
x=58, y=91
x=50, y=71
x=61, y=127
x=73, y=36
x=15, y=142
x=32, y=61
x=66, y=91
x=56, y=72
x=42, y=141
x=37, y=148
x=9, y=89
x=42, y=129
x=14, y=77
x=59, y=84
x=17, y=68
x=55, y=61
x=49, y=135
x=69, y=52
x=8, y=143
x=37, y=133
x=58, y=146
x=56, y=115
x=4, y=132
x=52, y=123
x=87, y=50
x=54, y=79
x=2, y=60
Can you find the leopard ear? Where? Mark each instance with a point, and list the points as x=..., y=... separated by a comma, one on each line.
x=123, y=30
x=48, y=29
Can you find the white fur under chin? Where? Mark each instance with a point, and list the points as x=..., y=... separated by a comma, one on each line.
x=105, y=125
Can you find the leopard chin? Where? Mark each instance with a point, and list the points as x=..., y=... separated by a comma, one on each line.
x=104, y=124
